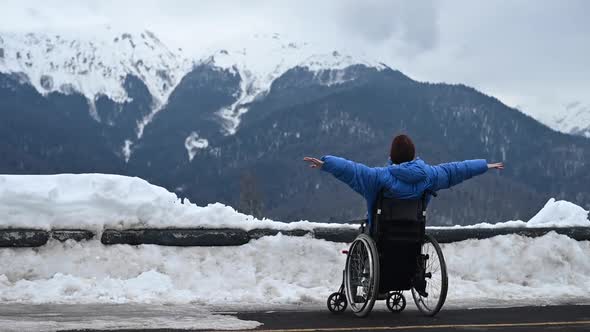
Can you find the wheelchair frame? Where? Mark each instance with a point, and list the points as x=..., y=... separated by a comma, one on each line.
x=397, y=224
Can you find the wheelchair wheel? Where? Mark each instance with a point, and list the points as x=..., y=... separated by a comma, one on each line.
x=431, y=299
x=361, y=277
x=337, y=303
x=396, y=302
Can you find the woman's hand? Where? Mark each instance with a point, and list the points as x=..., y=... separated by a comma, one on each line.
x=313, y=162
x=496, y=166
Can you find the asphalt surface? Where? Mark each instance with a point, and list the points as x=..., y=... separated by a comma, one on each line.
x=194, y=318
x=550, y=318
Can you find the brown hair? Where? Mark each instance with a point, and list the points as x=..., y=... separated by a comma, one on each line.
x=402, y=149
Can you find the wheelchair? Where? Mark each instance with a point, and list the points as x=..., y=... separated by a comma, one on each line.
x=391, y=256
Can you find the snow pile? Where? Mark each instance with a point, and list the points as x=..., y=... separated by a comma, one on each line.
x=280, y=270
x=553, y=214
x=275, y=269
x=560, y=213
x=519, y=270
x=99, y=201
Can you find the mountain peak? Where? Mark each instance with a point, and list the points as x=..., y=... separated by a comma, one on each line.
x=265, y=57
x=94, y=64
x=575, y=119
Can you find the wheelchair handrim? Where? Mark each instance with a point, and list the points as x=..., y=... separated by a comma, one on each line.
x=359, y=260
x=437, y=285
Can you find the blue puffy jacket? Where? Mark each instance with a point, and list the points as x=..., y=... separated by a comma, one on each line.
x=408, y=180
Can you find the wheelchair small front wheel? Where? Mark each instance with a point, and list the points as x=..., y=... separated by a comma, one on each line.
x=361, y=275
x=337, y=302
x=430, y=293
x=396, y=302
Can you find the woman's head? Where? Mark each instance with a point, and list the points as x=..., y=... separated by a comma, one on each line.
x=402, y=149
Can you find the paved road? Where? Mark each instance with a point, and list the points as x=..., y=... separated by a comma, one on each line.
x=194, y=318
x=551, y=318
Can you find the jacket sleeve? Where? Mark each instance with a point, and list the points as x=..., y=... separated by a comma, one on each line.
x=450, y=174
x=359, y=177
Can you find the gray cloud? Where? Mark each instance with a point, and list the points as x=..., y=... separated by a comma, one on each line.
x=526, y=53
x=413, y=23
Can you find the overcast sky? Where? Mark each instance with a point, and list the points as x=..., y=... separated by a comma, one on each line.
x=530, y=54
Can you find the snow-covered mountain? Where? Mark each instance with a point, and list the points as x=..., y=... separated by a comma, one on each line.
x=261, y=59
x=575, y=119
x=572, y=118
x=98, y=64
x=93, y=65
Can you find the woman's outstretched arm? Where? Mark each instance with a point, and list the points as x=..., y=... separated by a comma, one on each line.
x=451, y=174
x=357, y=176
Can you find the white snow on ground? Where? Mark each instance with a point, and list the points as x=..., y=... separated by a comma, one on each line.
x=20, y=318
x=281, y=270
x=275, y=269
x=98, y=201
x=518, y=270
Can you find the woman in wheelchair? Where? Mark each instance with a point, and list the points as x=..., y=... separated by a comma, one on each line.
x=393, y=253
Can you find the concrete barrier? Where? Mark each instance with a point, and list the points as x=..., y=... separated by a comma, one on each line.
x=258, y=233
x=236, y=237
x=177, y=237
x=345, y=235
x=461, y=234
x=78, y=235
x=23, y=237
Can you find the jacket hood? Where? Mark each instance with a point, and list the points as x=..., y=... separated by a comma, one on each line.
x=410, y=172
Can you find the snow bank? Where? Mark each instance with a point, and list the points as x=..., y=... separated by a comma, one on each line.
x=518, y=270
x=281, y=270
x=558, y=213
x=99, y=201
x=553, y=214
x=276, y=269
